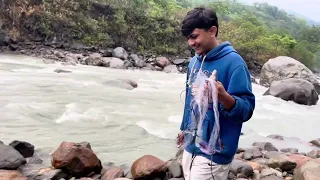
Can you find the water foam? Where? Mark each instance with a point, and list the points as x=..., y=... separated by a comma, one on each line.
x=74, y=113
x=175, y=119
x=161, y=130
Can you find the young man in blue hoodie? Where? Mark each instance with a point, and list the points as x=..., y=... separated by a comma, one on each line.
x=235, y=98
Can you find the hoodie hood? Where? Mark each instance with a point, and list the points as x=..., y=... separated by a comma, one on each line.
x=218, y=52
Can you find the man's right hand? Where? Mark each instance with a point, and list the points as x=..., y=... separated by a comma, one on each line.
x=179, y=139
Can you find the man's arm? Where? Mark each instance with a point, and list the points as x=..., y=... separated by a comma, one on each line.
x=185, y=111
x=238, y=102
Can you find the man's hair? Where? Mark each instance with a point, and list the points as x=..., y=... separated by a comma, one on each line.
x=201, y=18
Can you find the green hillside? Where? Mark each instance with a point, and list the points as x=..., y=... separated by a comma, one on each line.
x=258, y=32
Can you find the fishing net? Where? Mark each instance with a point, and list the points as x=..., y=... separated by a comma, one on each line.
x=204, y=91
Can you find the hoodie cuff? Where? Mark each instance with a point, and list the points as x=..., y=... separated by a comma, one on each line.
x=232, y=113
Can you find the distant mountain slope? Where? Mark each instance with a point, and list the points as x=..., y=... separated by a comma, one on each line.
x=309, y=21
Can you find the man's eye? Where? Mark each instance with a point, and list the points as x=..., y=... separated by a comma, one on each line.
x=193, y=36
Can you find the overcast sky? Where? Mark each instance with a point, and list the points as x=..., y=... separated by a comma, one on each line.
x=308, y=8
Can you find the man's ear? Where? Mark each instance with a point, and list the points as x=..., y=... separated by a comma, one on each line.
x=213, y=31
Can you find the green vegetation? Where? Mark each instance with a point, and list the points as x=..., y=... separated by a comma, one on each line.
x=258, y=32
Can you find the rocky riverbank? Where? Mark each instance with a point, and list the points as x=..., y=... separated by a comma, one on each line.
x=20, y=160
x=118, y=57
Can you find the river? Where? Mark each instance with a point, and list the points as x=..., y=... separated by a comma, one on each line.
x=45, y=108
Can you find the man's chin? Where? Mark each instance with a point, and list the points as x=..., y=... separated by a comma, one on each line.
x=199, y=52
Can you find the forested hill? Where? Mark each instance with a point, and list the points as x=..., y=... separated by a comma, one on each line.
x=258, y=32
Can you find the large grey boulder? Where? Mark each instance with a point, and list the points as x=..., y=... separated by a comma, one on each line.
x=284, y=67
x=293, y=89
x=120, y=53
x=10, y=159
x=113, y=62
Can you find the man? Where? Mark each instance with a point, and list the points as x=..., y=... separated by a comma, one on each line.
x=235, y=97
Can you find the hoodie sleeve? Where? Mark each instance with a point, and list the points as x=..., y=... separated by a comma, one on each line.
x=184, y=122
x=240, y=88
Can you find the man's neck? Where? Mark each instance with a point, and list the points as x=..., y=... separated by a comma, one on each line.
x=213, y=45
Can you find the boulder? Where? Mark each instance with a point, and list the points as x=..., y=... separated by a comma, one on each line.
x=123, y=84
x=297, y=90
x=175, y=169
x=255, y=166
x=113, y=173
x=49, y=173
x=252, y=153
x=147, y=167
x=299, y=159
x=138, y=62
x=120, y=53
x=10, y=159
x=275, y=136
x=76, y=159
x=113, y=62
x=267, y=146
x=314, y=154
x=309, y=171
x=162, y=62
x=282, y=161
x=241, y=167
x=290, y=150
x=94, y=59
x=284, y=67
x=316, y=142
x=61, y=71
x=24, y=148
x=178, y=61
x=171, y=69
x=3, y=38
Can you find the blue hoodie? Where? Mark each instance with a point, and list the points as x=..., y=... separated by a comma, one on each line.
x=233, y=73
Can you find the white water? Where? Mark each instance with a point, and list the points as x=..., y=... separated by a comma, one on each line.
x=45, y=108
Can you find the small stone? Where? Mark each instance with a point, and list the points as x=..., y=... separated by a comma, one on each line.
x=239, y=156
x=255, y=166
x=175, y=169
x=314, y=154
x=50, y=174
x=241, y=176
x=290, y=150
x=265, y=146
x=61, y=71
x=266, y=172
x=275, y=136
x=240, y=150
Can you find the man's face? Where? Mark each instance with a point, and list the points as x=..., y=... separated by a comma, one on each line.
x=201, y=39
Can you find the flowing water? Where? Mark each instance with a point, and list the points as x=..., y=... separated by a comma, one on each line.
x=45, y=108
